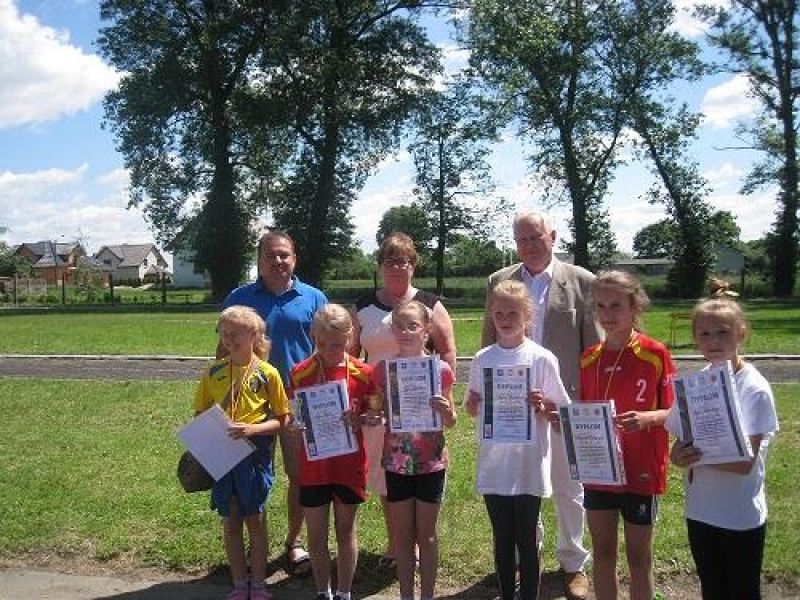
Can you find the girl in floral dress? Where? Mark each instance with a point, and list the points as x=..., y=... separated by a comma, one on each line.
x=415, y=463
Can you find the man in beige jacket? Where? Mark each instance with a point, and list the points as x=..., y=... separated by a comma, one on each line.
x=564, y=324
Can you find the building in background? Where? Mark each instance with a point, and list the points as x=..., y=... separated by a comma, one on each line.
x=132, y=264
x=54, y=262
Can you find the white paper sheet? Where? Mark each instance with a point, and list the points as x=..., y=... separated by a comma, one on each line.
x=206, y=437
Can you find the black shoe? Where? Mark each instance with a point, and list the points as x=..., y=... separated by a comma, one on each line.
x=338, y=597
x=322, y=596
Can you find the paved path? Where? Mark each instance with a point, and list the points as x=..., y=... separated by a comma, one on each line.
x=776, y=368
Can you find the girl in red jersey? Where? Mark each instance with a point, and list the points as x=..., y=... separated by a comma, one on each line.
x=340, y=480
x=634, y=371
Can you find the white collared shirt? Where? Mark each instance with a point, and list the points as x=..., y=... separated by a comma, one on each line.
x=539, y=286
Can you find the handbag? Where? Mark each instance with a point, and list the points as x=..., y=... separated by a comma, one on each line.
x=192, y=476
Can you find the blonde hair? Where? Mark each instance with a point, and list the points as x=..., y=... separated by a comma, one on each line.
x=719, y=288
x=249, y=318
x=627, y=284
x=331, y=318
x=398, y=243
x=721, y=307
x=516, y=291
x=415, y=306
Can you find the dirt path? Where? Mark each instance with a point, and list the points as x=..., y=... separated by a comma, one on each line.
x=776, y=368
x=76, y=578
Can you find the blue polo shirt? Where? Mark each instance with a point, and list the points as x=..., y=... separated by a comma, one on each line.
x=288, y=317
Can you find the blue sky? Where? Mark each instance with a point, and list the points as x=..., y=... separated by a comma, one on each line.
x=61, y=178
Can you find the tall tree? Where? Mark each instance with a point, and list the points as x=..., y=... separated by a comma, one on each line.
x=186, y=64
x=548, y=66
x=349, y=81
x=651, y=57
x=760, y=38
x=452, y=174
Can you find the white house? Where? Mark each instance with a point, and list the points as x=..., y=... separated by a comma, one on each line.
x=186, y=273
x=131, y=262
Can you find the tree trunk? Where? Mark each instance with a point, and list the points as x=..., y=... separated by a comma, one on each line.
x=441, y=230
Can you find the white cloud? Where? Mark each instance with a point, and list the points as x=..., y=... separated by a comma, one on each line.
x=372, y=202
x=56, y=204
x=455, y=58
x=685, y=22
x=117, y=178
x=42, y=75
x=724, y=175
x=754, y=214
x=728, y=102
x=629, y=216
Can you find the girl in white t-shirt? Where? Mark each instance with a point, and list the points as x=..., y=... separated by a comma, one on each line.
x=726, y=507
x=514, y=477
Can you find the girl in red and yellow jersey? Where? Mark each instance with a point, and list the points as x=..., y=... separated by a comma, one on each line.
x=250, y=391
x=338, y=480
x=634, y=371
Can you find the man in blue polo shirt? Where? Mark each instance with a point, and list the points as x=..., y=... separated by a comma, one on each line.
x=287, y=306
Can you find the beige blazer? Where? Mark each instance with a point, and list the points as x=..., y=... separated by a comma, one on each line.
x=569, y=325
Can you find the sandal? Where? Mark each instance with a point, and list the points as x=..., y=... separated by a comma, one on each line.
x=260, y=594
x=387, y=562
x=300, y=565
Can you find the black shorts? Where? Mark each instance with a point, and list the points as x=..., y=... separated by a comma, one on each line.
x=313, y=496
x=427, y=487
x=635, y=509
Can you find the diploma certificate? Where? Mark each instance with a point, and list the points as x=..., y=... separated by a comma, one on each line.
x=410, y=383
x=591, y=443
x=506, y=417
x=708, y=405
x=319, y=409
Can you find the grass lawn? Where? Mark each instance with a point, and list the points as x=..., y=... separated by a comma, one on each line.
x=88, y=468
x=775, y=324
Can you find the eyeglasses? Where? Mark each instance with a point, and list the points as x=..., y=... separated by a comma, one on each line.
x=411, y=327
x=399, y=262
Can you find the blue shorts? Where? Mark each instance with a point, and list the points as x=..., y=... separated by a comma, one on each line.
x=250, y=481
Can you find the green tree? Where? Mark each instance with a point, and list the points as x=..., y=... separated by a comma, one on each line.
x=88, y=279
x=178, y=114
x=13, y=265
x=660, y=239
x=656, y=240
x=410, y=219
x=549, y=66
x=354, y=265
x=649, y=57
x=760, y=39
x=349, y=80
x=469, y=257
x=724, y=229
x=452, y=174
